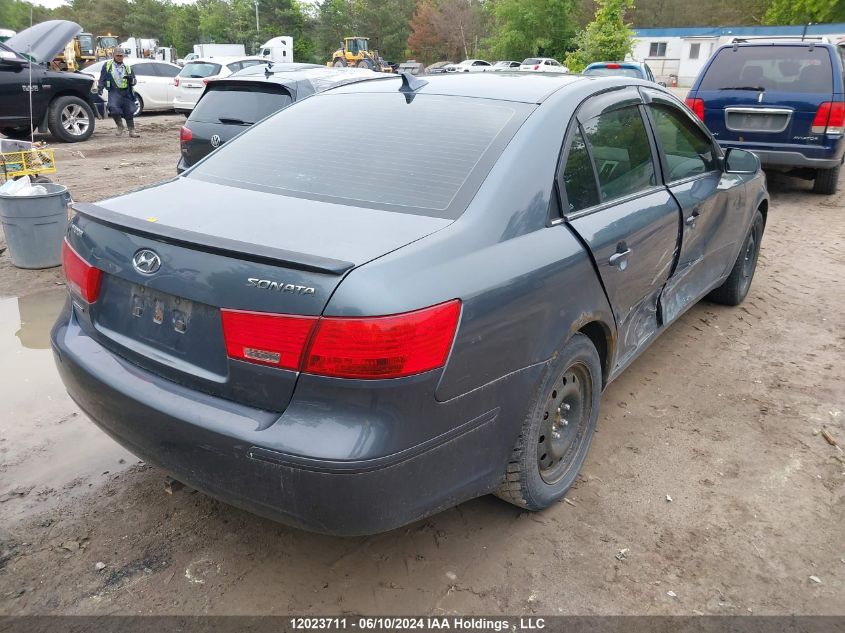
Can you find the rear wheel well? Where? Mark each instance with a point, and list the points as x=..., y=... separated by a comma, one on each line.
x=599, y=336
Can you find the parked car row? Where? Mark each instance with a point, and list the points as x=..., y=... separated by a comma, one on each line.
x=535, y=64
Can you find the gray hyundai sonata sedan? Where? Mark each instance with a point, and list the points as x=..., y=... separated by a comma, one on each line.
x=347, y=327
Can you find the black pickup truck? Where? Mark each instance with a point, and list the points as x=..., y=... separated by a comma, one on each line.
x=32, y=95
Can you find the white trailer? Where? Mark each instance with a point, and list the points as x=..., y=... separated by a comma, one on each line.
x=220, y=50
x=278, y=49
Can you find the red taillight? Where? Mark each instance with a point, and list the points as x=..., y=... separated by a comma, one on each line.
x=697, y=106
x=82, y=278
x=268, y=339
x=355, y=347
x=185, y=135
x=830, y=118
x=612, y=66
x=383, y=347
x=176, y=81
x=205, y=81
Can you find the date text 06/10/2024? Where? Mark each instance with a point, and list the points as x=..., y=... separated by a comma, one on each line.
x=428, y=623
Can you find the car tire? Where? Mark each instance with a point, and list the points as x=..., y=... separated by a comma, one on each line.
x=70, y=119
x=554, y=440
x=826, y=181
x=735, y=288
x=139, y=106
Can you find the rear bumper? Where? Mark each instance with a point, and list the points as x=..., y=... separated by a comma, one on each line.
x=790, y=158
x=232, y=452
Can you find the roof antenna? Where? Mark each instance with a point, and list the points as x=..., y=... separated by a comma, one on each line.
x=410, y=83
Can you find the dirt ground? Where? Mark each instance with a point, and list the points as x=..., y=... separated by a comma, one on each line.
x=722, y=415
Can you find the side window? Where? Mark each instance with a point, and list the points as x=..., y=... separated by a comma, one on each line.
x=166, y=70
x=578, y=178
x=143, y=70
x=251, y=62
x=688, y=150
x=622, y=153
x=234, y=66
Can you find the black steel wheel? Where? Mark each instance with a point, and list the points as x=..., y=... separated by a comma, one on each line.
x=735, y=288
x=557, y=432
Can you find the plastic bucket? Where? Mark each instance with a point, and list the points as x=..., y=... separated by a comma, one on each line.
x=34, y=226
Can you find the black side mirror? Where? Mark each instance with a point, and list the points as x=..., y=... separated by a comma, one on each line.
x=740, y=161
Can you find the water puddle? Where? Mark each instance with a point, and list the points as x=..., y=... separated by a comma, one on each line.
x=49, y=450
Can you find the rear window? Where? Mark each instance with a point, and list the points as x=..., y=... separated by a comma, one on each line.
x=531, y=61
x=774, y=68
x=200, y=69
x=429, y=161
x=240, y=103
x=613, y=72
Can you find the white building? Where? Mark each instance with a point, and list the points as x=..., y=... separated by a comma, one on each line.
x=678, y=54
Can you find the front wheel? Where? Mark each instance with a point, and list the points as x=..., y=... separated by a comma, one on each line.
x=339, y=62
x=365, y=63
x=558, y=430
x=826, y=181
x=735, y=288
x=70, y=119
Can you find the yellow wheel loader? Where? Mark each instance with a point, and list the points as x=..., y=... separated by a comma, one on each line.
x=355, y=52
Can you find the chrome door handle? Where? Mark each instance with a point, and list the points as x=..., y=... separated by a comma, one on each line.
x=692, y=217
x=620, y=260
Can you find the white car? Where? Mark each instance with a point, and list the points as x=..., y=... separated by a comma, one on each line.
x=187, y=58
x=192, y=79
x=543, y=65
x=470, y=66
x=154, y=90
x=505, y=65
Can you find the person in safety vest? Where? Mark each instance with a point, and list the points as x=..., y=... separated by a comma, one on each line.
x=118, y=78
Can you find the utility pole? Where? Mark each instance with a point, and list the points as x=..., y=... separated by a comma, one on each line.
x=257, y=26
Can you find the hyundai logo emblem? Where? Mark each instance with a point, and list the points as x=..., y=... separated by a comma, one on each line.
x=215, y=140
x=146, y=261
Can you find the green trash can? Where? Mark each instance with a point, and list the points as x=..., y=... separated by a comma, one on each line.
x=35, y=226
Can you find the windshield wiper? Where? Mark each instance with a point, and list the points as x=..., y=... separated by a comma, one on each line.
x=234, y=121
x=757, y=88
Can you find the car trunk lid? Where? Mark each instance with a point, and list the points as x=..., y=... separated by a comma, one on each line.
x=242, y=250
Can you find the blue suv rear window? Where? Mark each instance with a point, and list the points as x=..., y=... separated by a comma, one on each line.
x=774, y=68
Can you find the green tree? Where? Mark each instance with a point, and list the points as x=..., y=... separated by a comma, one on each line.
x=539, y=27
x=606, y=38
x=804, y=11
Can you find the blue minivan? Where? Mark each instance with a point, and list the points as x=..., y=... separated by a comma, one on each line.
x=784, y=100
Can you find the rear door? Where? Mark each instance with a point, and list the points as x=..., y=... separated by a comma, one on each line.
x=166, y=73
x=147, y=86
x=613, y=199
x=766, y=96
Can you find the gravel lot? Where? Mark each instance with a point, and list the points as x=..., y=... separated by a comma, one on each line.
x=722, y=414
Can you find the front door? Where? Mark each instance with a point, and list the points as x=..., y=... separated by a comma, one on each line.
x=711, y=203
x=613, y=199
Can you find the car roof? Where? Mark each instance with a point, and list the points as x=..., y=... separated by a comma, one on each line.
x=504, y=86
x=224, y=60
x=303, y=78
x=628, y=64
x=778, y=42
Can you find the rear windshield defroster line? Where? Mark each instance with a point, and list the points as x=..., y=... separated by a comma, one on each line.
x=377, y=150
